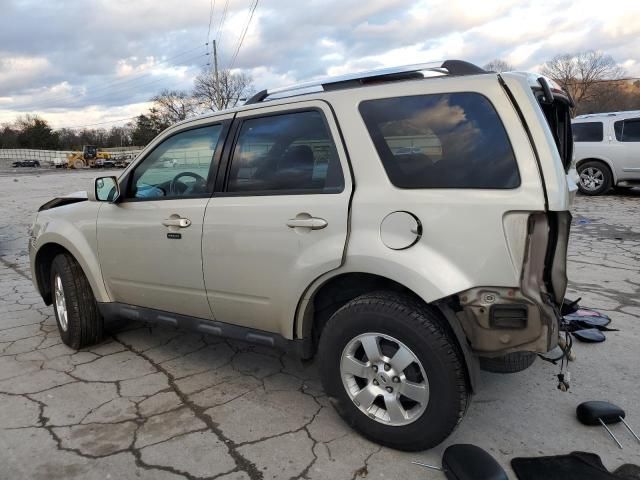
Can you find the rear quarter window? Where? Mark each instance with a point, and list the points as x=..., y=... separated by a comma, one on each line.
x=627, y=130
x=587, y=132
x=453, y=140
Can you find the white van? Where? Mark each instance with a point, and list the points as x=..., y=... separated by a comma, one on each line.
x=607, y=151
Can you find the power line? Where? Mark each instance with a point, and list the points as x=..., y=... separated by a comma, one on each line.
x=110, y=86
x=104, y=123
x=223, y=18
x=213, y=5
x=99, y=123
x=241, y=40
x=626, y=79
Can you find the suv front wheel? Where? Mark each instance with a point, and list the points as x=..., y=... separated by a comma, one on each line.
x=393, y=371
x=79, y=321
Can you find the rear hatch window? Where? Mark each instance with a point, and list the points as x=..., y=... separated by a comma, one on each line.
x=453, y=140
x=556, y=106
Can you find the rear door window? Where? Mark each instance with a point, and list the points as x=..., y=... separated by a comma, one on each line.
x=587, y=132
x=453, y=140
x=285, y=153
x=627, y=130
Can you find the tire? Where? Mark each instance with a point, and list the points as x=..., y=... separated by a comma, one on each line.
x=82, y=325
x=594, y=178
x=78, y=164
x=396, y=322
x=509, y=363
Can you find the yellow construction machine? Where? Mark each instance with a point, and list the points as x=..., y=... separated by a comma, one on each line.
x=90, y=156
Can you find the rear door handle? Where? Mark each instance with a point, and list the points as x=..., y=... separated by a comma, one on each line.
x=176, y=222
x=314, y=223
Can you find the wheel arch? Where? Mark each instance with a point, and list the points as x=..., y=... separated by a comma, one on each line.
x=42, y=269
x=325, y=298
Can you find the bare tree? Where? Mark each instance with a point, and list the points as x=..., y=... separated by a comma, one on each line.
x=224, y=92
x=174, y=105
x=581, y=73
x=498, y=65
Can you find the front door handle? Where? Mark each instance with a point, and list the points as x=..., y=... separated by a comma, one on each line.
x=314, y=223
x=176, y=222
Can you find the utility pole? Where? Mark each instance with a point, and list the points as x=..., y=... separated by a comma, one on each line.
x=215, y=66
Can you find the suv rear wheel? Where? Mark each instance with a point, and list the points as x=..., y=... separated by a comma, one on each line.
x=393, y=371
x=595, y=178
x=79, y=321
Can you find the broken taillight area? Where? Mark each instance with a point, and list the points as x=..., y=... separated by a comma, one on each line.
x=499, y=320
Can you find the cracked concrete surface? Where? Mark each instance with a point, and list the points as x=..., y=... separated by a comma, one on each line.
x=163, y=403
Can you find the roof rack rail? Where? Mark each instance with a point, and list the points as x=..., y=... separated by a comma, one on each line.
x=448, y=67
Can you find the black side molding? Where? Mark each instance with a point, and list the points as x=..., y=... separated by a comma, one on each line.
x=114, y=311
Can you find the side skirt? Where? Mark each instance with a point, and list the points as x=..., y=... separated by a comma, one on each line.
x=114, y=311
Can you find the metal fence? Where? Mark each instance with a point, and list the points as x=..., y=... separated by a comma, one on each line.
x=54, y=158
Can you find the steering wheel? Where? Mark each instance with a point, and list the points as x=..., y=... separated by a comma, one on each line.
x=174, y=183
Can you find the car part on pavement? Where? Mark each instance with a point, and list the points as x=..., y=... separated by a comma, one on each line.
x=468, y=462
x=589, y=335
x=575, y=466
x=603, y=413
x=586, y=316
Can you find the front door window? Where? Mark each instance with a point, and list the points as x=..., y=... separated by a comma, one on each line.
x=178, y=167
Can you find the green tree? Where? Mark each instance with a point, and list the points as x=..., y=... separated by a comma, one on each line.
x=147, y=127
x=35, y=132
x=8, y=136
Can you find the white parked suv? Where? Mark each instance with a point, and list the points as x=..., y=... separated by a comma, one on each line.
x=407, y=226
x=607, y=151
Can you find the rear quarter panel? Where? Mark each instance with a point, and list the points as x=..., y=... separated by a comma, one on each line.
x=463, y=242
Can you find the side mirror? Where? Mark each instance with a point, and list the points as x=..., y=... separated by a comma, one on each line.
x=105, y=189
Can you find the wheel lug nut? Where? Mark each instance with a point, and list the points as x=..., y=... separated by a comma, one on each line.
x=389, y=389
x=396, y=379
x=375, y=368
x=387, y=367
x=375, y=382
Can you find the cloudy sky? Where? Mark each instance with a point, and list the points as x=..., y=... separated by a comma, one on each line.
x=82, y=62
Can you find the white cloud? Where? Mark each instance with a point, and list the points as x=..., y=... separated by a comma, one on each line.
x=97, y=60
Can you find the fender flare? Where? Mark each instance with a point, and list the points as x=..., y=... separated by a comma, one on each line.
x=61, y=235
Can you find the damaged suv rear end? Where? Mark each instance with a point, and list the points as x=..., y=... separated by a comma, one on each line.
x=501, y=321
x=464, y=184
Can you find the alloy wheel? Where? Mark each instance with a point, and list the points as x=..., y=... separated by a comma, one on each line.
x=384, y=379
x=61, y=303
x=591, y=178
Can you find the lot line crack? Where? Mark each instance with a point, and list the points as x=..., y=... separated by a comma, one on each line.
x=242, y=463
